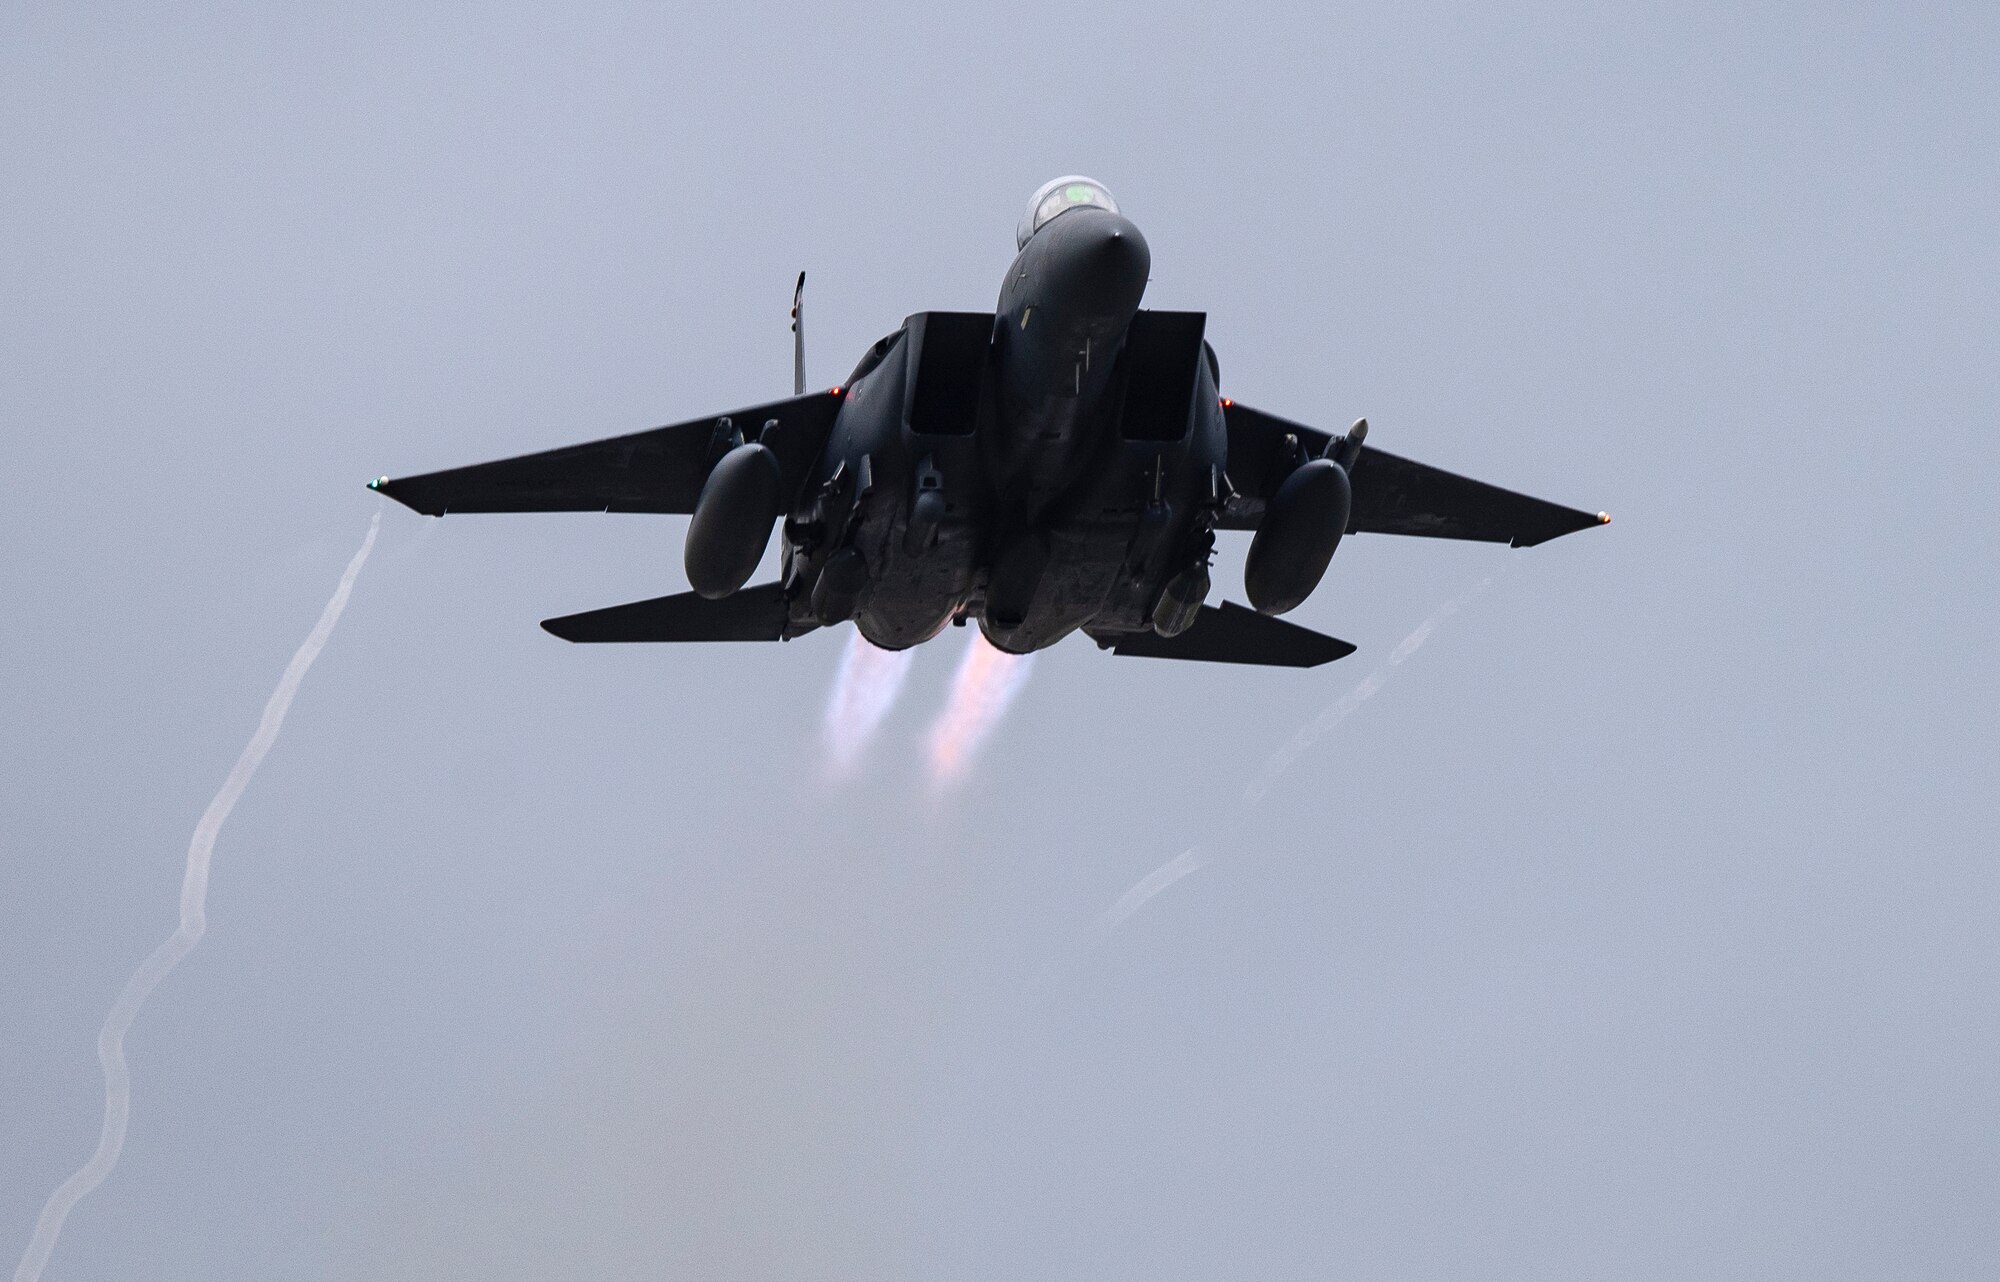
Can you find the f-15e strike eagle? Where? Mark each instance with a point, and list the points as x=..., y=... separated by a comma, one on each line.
x=1061, y=463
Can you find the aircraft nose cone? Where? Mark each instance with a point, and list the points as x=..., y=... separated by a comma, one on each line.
x=1117, y=258
x=1102, y=260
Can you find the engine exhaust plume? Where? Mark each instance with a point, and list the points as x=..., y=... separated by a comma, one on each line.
x=194, y=920
x=987, y=683
x=864, y=690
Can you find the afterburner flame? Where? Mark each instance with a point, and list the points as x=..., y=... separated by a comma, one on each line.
x=987, y=682
x=864, y=690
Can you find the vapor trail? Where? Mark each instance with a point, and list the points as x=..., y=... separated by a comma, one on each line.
x=864, y=690
x=1339, y=710
x=1151, y=884
x=194, y=899
x=986, y=684
x=1281, y=760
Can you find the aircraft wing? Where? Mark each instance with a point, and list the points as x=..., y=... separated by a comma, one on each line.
x=658, y=470
x=1392, y=495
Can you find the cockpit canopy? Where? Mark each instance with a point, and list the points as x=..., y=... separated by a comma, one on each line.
x=1058, y=196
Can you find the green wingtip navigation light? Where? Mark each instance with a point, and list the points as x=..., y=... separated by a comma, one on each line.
x=378, y=482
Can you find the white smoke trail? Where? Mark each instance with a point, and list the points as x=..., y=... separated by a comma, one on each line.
x=194, y=899
x=1281, y=760
x=864, y=690
x=1151, y=884
x=987, y=682
x=1339, y=710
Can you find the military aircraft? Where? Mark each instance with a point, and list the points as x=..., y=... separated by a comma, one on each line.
x=1059, y=464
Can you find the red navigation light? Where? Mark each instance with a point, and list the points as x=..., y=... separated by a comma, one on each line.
x=1226, y=402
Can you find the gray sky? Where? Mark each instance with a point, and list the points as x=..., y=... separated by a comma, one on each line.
x=1641, y=926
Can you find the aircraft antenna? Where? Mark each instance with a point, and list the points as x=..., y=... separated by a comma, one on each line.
x=799, y=337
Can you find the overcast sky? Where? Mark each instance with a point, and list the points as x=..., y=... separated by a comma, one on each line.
x=1640, y=925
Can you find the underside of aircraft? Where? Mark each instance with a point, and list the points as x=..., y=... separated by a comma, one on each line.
x=1060, y=464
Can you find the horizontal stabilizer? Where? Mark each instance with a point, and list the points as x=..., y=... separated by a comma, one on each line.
x=754, y=614
x=1233, y=634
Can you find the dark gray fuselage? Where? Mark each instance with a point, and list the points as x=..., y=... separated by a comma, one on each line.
x=1051, y=466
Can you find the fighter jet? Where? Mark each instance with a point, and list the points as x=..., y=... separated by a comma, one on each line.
x=1060, y=464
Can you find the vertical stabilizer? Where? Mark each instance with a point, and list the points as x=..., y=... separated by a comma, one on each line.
x=799, y=337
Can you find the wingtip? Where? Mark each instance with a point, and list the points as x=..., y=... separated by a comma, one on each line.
x=1604, y=518
x=401, y=492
